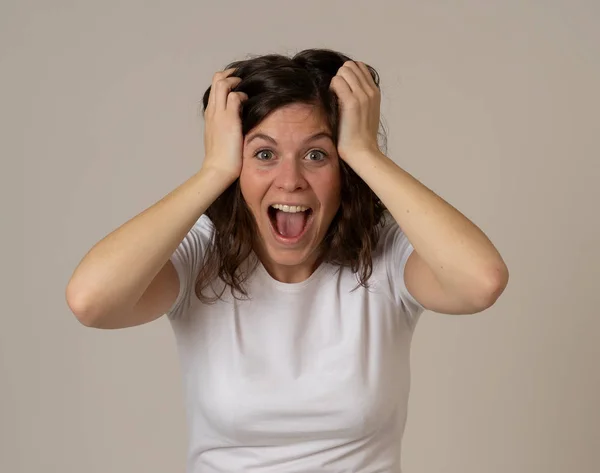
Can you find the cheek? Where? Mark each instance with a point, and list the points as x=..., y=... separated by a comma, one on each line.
x=251, y=187
x=329, y=186
x=246, y=187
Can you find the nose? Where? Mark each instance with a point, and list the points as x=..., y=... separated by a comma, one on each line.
x=290, y=176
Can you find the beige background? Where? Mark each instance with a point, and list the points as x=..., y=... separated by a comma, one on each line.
x=494, y=105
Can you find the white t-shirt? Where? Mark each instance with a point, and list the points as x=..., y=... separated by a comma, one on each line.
x=307, y=377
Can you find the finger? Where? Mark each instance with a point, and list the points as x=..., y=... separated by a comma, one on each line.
x=235, y=99
x=222, y=89
x=355, y=67
x=225, y=73
x=341, y=88
x=349, y=73
x=369, y=82
x=217, y=76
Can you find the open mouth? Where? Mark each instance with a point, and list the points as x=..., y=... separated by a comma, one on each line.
x=290, y=222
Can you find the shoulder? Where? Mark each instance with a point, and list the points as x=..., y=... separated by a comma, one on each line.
x=390, y=236
x=200, y=235
x=392, y=247
x=187, y=261
x=204, y=226
x=390, y=259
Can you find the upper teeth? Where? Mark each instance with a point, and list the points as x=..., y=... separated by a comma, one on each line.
x=290, y=208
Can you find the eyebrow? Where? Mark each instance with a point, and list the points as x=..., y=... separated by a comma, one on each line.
x=316, y=136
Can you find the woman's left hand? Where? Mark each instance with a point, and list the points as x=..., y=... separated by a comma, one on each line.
x=360, y=101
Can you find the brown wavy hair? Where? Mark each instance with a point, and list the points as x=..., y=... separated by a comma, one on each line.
x=272, y=81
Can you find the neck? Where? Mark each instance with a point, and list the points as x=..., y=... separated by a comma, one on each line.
x=291, y=274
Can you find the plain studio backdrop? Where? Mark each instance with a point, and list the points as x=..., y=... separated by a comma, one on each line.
x=493, y=105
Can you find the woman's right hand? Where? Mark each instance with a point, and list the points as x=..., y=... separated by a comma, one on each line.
x=223, y=139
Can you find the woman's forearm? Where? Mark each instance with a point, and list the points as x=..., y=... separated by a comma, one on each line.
x=114, y=274
x=455, y=249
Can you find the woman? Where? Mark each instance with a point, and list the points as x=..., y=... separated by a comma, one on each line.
x=293, y=268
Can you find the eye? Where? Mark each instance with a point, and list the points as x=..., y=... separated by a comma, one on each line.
x=260, y=154
x=316, y=155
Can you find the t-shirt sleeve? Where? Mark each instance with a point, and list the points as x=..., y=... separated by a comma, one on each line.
x=396, y=250
x=187, y=260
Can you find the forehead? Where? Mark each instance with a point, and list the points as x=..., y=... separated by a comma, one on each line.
x=292, y=122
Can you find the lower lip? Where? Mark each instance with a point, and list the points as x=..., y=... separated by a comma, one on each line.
x=291, y=241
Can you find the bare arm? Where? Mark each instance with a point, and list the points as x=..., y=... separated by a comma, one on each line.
x=127, y=278
x=455, y=268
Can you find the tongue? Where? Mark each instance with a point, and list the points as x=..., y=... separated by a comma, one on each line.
x=290, y=225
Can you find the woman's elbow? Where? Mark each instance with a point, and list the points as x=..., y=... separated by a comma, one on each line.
x=80, y=305
x=495, y=284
